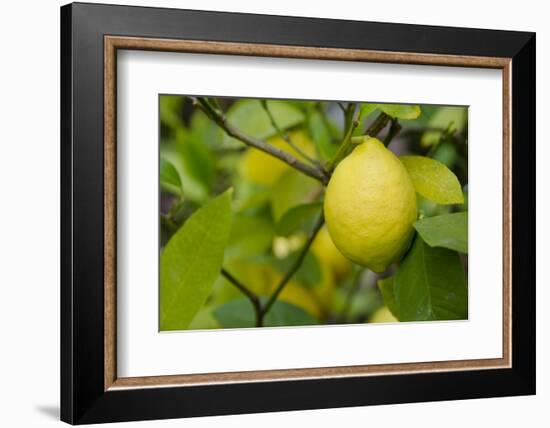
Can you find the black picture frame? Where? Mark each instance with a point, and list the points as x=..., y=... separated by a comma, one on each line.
x=83, y=396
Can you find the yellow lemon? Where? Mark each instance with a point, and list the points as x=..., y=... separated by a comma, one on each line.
x=370, y=206
x=329, y=255
x=382, y=315
x=264, y=169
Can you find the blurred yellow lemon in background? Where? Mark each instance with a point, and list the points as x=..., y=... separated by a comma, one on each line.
x=370, y=206
x=329, y=255
x=315, y=299
x=382, y=314
x=261, y=168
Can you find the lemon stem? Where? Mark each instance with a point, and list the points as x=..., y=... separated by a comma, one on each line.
x=377, y=126
x=346, y=142
x=395, y=127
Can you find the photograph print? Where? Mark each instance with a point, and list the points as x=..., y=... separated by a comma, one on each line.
x=279, y=213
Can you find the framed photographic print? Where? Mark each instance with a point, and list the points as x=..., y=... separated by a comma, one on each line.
x=265, y=213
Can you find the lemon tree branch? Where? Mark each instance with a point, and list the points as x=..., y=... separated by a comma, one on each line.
x=376, y=127
x=395, y=127
x=346, y=142
x=248, y=293
x=295, y=266
x=379, y=123
x=284, y=135
x=349, y=112
x=219, y=118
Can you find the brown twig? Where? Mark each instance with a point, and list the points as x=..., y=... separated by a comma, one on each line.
x=346, y=142
x=219, y=118
x=295, y=266
x=395, y=127
x=285, y=135
x=248, y=293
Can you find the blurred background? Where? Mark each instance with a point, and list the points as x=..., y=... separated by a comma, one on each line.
x=199, y=161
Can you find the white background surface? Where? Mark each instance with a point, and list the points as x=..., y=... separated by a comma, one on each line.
x=29, y=215
x=142, y=351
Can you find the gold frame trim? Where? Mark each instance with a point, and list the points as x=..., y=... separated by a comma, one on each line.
x=112, y=43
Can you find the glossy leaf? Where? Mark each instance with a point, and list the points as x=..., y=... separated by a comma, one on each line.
x=401, y=111
x=191, y=261
x=321, y=135
x=300, y=218
x=170, y=180
x=433, y=180
x=250, y=118
x=430, y=284
x=240, y=314
x=448, y=231
x=367, y=109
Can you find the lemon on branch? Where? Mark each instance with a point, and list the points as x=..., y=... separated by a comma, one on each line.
x=370, y=206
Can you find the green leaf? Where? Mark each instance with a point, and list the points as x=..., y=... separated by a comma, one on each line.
x=204, y=320
x=240, y=314
x=250, y=118
x=396, y=111
x=191, y=261
x=300, y=218
x=205, y=131
x=430, y=284
x=433, y=180
x=195, y=190
x=367, y=109
x=446, y=153
x=293, y=188
x=385, y=286
x=170, y=180
x=250, y=236
x=431, y=138
x=401, y=111
x=170, y=109
x=449, y=118
x=309, y=273
x=196, y=158
x=448, y=231
x=321, y=135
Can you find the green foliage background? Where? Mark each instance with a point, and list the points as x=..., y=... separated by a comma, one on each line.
x=233, y=224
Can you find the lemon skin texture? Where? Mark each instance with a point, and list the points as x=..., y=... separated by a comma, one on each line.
x=370, y=206
x=262, y=168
